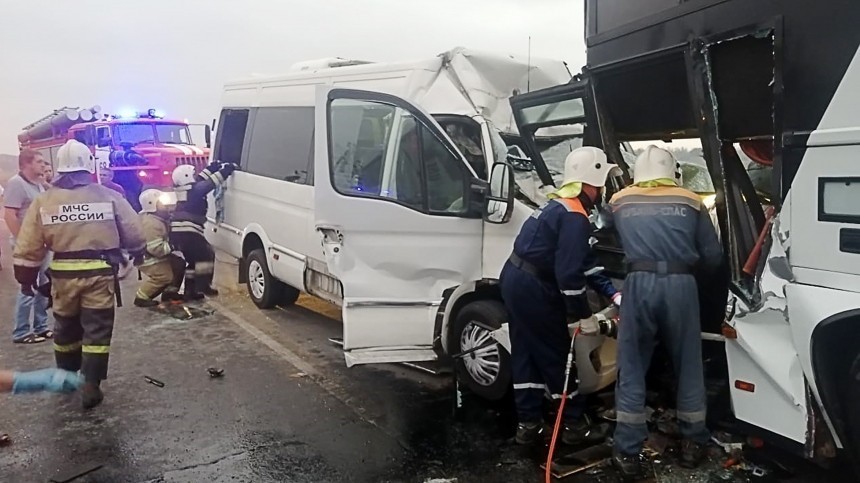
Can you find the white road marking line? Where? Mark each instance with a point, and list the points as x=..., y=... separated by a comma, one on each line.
x=269, y=342
x=329, y=386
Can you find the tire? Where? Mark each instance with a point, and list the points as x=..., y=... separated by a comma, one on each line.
x=265, y=291
x=852, y=416
x=486, y=373
x=289, y=295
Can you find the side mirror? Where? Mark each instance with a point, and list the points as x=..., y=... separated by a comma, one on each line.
x=500, y=200
x=207, y=135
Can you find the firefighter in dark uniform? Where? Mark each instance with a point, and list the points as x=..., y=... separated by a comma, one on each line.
x=86, y=226
x=544, y=288
x=188, y=219
x=667, y=237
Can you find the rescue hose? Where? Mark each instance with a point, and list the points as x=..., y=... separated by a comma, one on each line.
x=752, y=261
x=559, y=416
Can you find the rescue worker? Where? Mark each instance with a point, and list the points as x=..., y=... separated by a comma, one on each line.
x=86, y=226
x=163, y=269
x=186, y=226
x=667, y=237
x=544, y=285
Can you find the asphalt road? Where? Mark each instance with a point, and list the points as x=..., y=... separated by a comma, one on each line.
x=286, y=410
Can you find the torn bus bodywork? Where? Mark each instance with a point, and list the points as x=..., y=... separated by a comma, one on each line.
x=773, y=113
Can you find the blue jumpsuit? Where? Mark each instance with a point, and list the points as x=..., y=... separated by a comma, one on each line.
x=543, y=284
x=667, y=236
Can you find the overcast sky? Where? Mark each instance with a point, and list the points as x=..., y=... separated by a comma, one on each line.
x=175, y=55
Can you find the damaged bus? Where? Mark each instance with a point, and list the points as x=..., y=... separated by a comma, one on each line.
x=769, y=91
x=388, y=189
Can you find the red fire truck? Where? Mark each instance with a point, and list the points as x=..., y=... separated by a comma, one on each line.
x=141, y=149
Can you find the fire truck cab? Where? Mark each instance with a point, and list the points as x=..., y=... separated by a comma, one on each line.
x=141, y=149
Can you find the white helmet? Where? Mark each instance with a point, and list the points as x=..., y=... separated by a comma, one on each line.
x=655, y=163
x=183, y=175
x=75, y=156
x=149, y=200
x=588, y=165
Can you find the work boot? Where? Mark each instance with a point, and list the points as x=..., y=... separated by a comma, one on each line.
x=91, y=395
x=583, y=431
x=628, y=465
x=692, y=454
x=529, y=433
x=170, y=296
x=191, y=292
x=141, y=302
x=210, y=291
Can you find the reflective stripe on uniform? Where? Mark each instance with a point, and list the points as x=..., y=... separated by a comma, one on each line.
x=530, y=385
x=204, y=268
x=630, y=418
x=141, y=295
x=75, y=265
x=573, y=292
x=73, y=347
x=158, y=243
x=96, y=349
x=572, y=205
x=23, y=262
x=662, y=194
x=569, y=396
x=692, y=417
x=593, y=271
x=149, y=261
x=185, y=227
x=206, y=174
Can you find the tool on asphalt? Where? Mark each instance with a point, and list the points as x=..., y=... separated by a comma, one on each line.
x=154, y=382
x=72, y=475
x=558, y=419
x=215, y=372
x=589, y=459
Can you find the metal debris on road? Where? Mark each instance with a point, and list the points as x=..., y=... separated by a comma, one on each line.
x=181, y=311
x=5, y=440
x=75, y=474
x=154, y=382
x=298, y=375
x=215, y=372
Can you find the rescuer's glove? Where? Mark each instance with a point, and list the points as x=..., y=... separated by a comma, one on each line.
x=213, y=166
x=616, y=299
x=227, y=169
x=51, y=380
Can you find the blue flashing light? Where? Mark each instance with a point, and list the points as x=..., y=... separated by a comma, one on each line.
x=127, y=113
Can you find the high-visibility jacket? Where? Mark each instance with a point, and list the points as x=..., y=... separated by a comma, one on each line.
x=554, y=240
x=86, y=226
x=192, y=203
x=155, y=230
